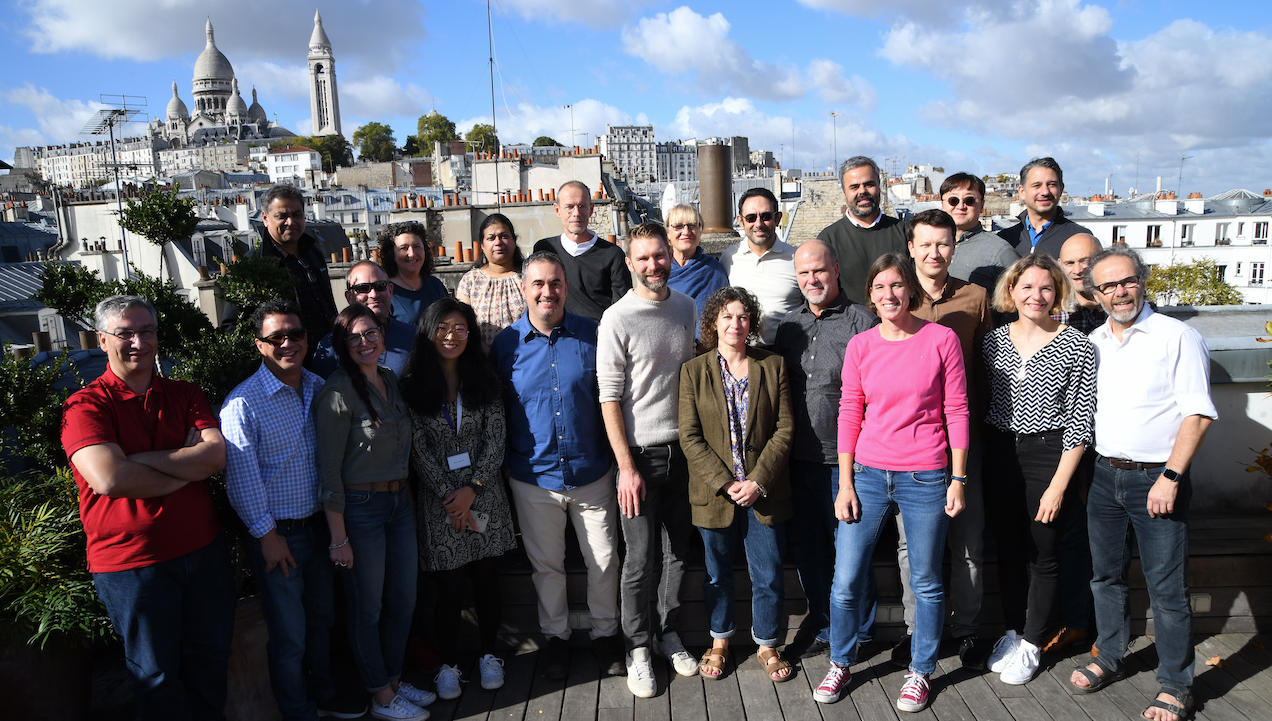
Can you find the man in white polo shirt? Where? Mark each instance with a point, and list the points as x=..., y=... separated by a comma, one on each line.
x=1152, y=410
x=762, y=264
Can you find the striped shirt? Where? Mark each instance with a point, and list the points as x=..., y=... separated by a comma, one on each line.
x=1054, y=389
x=270, y=471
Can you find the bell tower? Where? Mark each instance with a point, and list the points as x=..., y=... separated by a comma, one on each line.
x=324, y=103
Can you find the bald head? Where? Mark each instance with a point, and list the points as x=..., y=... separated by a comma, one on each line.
x=817, y=270
x=1075, y=254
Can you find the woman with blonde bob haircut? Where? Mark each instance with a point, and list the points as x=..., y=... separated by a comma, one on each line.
x=1041, y=418
x=694, y=272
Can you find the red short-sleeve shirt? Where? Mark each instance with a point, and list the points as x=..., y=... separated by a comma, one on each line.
x=125, y=533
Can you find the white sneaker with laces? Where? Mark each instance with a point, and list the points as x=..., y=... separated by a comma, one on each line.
x=1003, y=650
x=448, y=680
x=640, y=673
x=670, y=648
x=492, y=672
x=1022, y=665
x=399, y=709
x=416, y=696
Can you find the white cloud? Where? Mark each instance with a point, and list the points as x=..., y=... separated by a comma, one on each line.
x=271, y=80
x=59, y=120
x=304, y=126
x=595, y=13
x=381, y=96
x=920, y=11
x=684, y=42
x=527, y=122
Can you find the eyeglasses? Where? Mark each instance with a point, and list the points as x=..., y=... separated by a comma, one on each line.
x=356, y=339
x=954, y=200
x=1127, y=283
x=459, y=331
x=682, y=226
x=364, y=288
x=295, y=335
x=127, y=334
x=764, y=217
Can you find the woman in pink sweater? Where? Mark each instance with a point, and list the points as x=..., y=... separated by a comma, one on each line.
x=902, y=422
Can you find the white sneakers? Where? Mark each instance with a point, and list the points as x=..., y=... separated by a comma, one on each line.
x=670, y=648
x=492, y=673
x=1021, y=666
x=416, y=696
x=640, y=673
x=447, y=680
x=399, y=709
x=1005, y=647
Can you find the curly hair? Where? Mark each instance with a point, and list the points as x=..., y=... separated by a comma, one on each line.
x=424, y=386
x=388, y=249
x=717, y=302
x=340, y=332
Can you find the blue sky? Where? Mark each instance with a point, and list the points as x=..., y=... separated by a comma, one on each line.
x=979, y=86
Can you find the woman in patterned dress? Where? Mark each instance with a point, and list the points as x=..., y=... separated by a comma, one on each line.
x=493, y=287
x=462, y=510
x=1042, y=405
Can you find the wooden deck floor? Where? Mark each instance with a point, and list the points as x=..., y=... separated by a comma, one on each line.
x=1238, y=689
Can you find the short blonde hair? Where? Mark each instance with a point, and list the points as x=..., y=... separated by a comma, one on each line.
x=684, y=213
x=1065, y=291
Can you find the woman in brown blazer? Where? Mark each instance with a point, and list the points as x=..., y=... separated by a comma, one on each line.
x=735, y=428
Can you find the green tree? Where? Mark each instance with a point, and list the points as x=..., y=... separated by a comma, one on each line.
x=411, y=148
x=484, y=134
x=160, y=217
x=1195, y=283
x=544, y=141
x=434, y=128
x=375, y=142
x=334, y=149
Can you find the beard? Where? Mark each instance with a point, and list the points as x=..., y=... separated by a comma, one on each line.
x=856, y=210
x=654, y=285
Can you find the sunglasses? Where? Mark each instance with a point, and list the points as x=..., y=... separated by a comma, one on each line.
x=295, y=335
x=954, y=200
x=764, y=217
x=356, y=339
x=364, y=288
x=681, y=226
x=1127, y=283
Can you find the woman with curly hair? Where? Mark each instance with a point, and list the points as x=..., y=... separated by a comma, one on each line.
x=735, y=429
x=465, y=522
x=364, y=441
x=407, y=258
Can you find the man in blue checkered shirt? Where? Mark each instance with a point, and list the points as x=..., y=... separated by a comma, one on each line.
x=272, y=482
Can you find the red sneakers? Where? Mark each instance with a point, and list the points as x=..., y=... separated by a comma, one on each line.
x=832, y=687
x=914, y=693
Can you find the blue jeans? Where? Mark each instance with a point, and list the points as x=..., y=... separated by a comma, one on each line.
x=920, y=496
x=813, y=490
x=299, y=611
x=176, y=618
x=765, y=548
x=1117, y=502
x=381, y=585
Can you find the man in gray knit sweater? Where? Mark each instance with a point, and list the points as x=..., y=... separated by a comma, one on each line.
x=643, y=340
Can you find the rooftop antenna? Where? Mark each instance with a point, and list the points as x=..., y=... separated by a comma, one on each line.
x=490, y=33
x=104, y=123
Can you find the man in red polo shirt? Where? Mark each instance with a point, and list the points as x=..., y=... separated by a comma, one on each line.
x=141, y=447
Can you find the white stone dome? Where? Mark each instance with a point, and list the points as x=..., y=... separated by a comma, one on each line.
x=236, y=106
x=212, y=65
x=255, y=113
x=176, y=107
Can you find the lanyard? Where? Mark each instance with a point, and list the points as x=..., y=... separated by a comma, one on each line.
x=459, y=414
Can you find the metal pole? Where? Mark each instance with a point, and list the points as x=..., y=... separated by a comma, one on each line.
x=119, y=199
x=834, y=135
x=490, y=33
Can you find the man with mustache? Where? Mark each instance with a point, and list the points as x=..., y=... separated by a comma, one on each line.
x=1043, y=227
x=643, y=340
x=864, y=233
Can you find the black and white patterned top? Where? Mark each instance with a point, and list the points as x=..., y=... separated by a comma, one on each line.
x=1054, y=389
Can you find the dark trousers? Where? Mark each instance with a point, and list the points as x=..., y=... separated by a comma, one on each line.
x=1019, y=468
x=488, y=600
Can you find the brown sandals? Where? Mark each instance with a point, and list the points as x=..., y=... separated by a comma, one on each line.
x=774, y=665
x=712, y=663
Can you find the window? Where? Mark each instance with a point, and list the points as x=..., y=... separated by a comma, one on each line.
x=1238, y=267
x=1221, y=234
x=1256, y=274
x=1240, y=230
x=1223, y=273
x=1261, y=233
x=1186, y=234
x=1154, y=236
x=1119, y=235
x=355, y=217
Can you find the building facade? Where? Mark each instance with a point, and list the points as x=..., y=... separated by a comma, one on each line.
x=677, y=161
x=296, y=165
x=633, y=151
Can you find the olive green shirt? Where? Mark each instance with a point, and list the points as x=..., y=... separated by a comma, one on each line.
x=352, y=449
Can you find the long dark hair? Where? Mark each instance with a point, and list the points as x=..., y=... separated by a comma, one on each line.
x=518, y=260
x=423, y=384
x=340, y=332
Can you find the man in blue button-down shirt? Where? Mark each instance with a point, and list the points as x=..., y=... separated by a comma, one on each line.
x=560, y=463
x=272, y=482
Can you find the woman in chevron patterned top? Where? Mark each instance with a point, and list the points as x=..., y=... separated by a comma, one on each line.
x=1042, y=405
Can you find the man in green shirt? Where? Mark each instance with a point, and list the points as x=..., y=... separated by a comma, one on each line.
x=864, y=233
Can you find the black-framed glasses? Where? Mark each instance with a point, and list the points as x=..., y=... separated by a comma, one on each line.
x=766, y=217
x=356, y=339
x=954, y=200
x=1127, y=283
x=681, y=226
x=364, y=288
x=460, y=332
x=127, y=334
x=295, y=335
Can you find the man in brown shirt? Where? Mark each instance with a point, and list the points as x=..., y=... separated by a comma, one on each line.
x=962, y=307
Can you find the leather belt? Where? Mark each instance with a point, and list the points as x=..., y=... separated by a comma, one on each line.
x=1128, y=465
x=380, y=487
x=312, y=520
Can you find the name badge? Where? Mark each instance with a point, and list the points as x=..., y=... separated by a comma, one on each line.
x=457, y=461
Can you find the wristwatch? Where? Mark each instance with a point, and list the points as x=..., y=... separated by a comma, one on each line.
x=1170, y=475
x=477, y=487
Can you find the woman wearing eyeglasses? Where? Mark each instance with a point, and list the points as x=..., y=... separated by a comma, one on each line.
x=902, y=421
x=364, y=441
x=694, y=272
x=465, y=523
x=407, y=258
x=493, y=287
x=1041, y=418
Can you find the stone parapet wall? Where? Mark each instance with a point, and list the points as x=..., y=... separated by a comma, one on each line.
x=821, y=203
